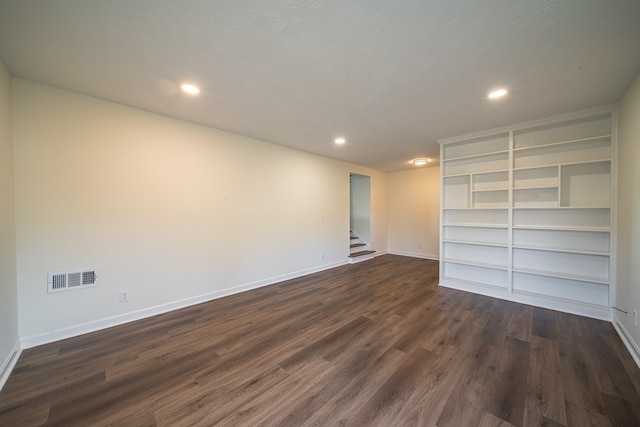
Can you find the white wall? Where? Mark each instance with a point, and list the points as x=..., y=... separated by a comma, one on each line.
x=165, y=209
x=628, y=250
x=9, y=342
x=414, y=212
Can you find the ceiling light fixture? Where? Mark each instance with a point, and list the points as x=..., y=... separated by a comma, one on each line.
x=420, y=162
x=190, y=89
x=339, y=140
x=499, y=93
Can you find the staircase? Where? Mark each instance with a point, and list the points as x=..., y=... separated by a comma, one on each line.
x=359, y=250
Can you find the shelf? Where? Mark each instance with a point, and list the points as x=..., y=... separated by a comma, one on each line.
x=568, y=251
x=577, y=277
x=474, y=173
x=490, y=191
x=588, y=150
x=561, y=228
x=477, y=264
x=477, y=225
x=476, y=156
x=470, y=242
x=569, y=142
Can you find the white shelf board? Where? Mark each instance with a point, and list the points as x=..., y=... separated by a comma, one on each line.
x=488, y=191
x=468, y=242
x=475, y=156
x=569, y=251
x=476, y=264
x=540, y=187
x=476, y=225
x=568, y=142
x=562, y=228
x=455, y=175
x=577, y=277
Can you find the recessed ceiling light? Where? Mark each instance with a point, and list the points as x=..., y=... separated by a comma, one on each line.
x=190, y=89
x=339, y=140
x=420, y=162
x=499, y=93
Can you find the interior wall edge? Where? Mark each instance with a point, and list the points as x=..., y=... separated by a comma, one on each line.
x=628, y=342
x=9, y=363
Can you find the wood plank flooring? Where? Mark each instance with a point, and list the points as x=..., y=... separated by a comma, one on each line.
x=369, y=344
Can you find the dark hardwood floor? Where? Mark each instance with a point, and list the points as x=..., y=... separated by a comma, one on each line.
x=370, y=344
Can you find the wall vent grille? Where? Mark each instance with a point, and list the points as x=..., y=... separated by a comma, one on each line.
x=67, y=280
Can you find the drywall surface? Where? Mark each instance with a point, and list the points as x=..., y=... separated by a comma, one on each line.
x=167, y=210
x=8, y=284
x=628, y=250
x=414, y=212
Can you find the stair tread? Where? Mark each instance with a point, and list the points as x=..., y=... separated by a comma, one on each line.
x=353, y=237
x=361, y=253
x=356, y=245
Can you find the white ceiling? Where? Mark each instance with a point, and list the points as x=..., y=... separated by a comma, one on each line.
x=390, y=76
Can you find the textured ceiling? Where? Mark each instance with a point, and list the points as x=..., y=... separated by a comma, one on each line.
x=391, y=76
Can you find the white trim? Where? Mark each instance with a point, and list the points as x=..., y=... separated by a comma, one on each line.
x=629, y=343
x=109, y=322
x=415, y=255
x=10, y=363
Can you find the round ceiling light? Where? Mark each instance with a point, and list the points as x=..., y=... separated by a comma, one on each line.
x=340, y=140
x=420, y=162
x=499, y=93
x=190, y=89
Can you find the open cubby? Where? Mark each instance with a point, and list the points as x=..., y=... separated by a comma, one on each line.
x=488, y=163
x=561, y=218
x=586, y=184
x=565, y=289
x=491, y=181
x=538, y=197
x=456, y=191
x=536, y=177
x=478, y=218
x=580, y=151
x=483, y=235
x=591, y=127
x=478, y=146
x=563, y=240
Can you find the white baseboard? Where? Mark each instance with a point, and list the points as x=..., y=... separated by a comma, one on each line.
x=415, y=255
x=631, y=345
x=109, y=322
x=9, y=363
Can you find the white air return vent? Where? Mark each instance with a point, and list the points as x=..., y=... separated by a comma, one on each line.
x=67, y=280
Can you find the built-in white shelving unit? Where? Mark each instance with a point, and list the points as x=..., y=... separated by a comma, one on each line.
x=527, y=212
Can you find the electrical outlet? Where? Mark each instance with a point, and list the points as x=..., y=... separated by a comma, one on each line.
x=124, y=296
x=635, y=317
